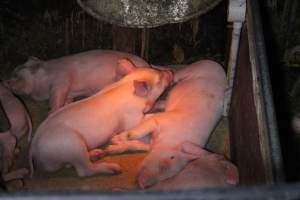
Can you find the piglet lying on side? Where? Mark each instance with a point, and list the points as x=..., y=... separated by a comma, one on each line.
x=20, y=125
x=62, y=79
x=17, y=114
x=192, y=109
x=74, y=133
x=208, y=170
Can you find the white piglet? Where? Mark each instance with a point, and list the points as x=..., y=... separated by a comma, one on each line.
x=74, y=133
x=63, y=79
x=208, y=170
x=20, y=125
x=192, y=109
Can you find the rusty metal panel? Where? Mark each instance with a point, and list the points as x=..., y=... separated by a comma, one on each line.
x=255, y=140
x=245, y=144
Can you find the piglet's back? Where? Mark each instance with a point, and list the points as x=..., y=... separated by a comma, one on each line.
x=200, y=81
x=203, y=68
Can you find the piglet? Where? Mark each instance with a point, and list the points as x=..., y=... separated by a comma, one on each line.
x=65, y=78
x=20, y=125
x=208, y=170
x=74, y=133
x=17, y=114
x=192, y=109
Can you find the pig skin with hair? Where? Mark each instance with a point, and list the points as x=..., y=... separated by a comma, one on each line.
x=74, y=133
x=61, y=80
x=192, y=109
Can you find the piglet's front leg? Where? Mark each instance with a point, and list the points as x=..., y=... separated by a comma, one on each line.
x=127, y=146
x=59, y=97
x=146, y=127
x=127, y=141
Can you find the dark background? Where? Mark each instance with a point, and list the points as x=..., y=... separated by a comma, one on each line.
x=281, y=23
x=53, y=28
x=49, y=29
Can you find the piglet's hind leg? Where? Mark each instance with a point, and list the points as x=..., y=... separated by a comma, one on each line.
x=89, y=168
x=84, y=167
x=57, y=153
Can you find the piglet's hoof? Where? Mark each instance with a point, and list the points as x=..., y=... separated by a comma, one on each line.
x=17, y=174
x=96, y=154
x=111, y=168
x=123, y=136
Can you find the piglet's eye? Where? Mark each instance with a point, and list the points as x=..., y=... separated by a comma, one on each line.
x=172, y=157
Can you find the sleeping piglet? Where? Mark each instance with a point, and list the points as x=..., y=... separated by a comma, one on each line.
x=62, y=79
x=192, y=109
x=208, y=170
x=20, y=124
x=17, y=114
x=73, y=134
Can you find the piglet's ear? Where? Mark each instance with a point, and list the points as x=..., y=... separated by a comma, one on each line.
x=32, y=61
x=141, y=88
x=191, y=148
x=125, y=66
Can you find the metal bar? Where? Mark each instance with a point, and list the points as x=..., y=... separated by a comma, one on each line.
x=274, y=192
x=259, y=59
